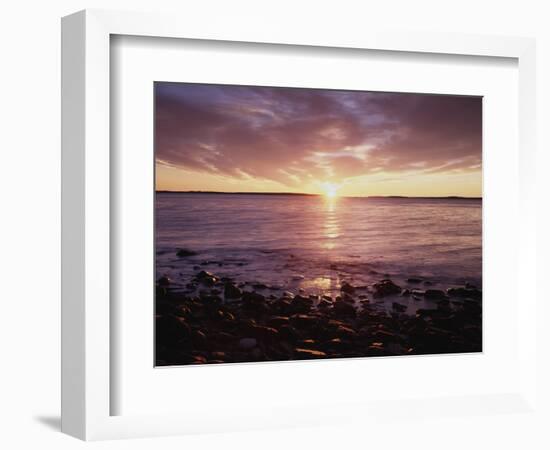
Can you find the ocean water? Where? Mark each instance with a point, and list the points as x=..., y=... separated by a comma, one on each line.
x=311, y=244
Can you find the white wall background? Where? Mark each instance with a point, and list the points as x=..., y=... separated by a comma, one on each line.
x=30, y=197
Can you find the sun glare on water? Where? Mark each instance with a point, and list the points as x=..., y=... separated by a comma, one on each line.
x=330, y=190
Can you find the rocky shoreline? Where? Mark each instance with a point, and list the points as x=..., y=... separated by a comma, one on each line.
x=220, y=321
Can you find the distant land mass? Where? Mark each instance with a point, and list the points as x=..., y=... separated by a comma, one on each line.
x=303, y=194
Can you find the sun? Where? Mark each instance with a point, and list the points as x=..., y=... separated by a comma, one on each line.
x=330, y=190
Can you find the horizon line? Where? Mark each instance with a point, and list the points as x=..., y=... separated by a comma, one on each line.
x=305, y=194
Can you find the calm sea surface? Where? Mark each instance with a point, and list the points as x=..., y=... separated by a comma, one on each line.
x=314, y=244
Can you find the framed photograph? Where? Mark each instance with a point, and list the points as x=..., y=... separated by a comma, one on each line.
x=269, y=218
x=300, y=223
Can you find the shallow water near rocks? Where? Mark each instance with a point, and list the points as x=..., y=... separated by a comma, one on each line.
x=311, y=245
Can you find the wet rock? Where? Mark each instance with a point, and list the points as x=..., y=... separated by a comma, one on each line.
x=206, y=278
x=264, y=333
x=471, y=307
x=232, y=291
x=413, y=280
x=278, y=321
x=199, y=359
x=301, y=304
x=406, y=292
x=344, y=309
x=259, y=286
x=221, y=338
x=304, y=321
x=170, y=330
x=307, y=343
x=384, y=288
x=324, y=304
x=339, y=344
x=346, y=332
x=348, y=298
x=347, y=288
x=305, y=353
x=333, y=323
x=247, y=343
x=288, y=333
x=163, y=281
x=385, y=336
x=282, y=306
x=203, y=274
x=210, y=298
x=444, y=304
x=468, y=292
x=434, y=294
x=301, y=298
x=252, y=298
x=423, y=312
x=183, y=252
x=377, y=349
x=198, y=338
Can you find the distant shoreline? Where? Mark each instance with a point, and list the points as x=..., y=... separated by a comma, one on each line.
x=300, y=194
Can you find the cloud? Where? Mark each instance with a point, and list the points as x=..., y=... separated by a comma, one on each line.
x=291, y=136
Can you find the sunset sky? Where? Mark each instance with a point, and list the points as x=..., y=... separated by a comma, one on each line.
x=258, y=139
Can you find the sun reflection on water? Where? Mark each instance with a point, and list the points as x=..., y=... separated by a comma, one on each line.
x=331, y=223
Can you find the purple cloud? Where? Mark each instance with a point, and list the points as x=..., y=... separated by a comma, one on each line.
x=295, y=135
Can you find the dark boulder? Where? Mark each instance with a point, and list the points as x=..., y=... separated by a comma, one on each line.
x=163, y=281
x=170, y=330
x=343, y=309
x=206, y=278
x=301, y=304
x=304, y=321
x=347, y=288
x=266, y=334
x=252, y=299
x=435, y=294
x=384, y=288
x=469, y=292
x=346, y=332
x=247, y=343
x=414, y=280
x=232, y=291
x=278, y=321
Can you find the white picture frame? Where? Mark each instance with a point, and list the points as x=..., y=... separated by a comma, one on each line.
x=86, y=217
